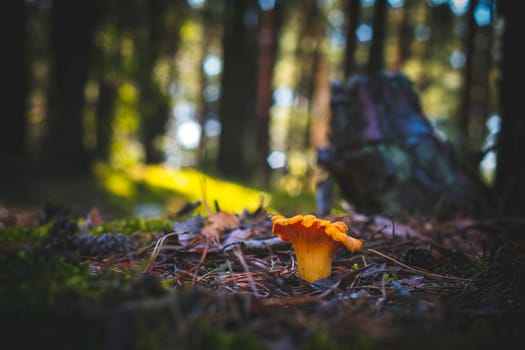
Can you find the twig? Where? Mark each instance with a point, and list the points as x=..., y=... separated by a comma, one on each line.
x=393, y=235
x=232, y=274
x=381, y=301
x=419, y=271
x=201, y=261
x=290, y=300
x=238, y=254
x=330, y=290
x=256, y=245
x=156, y=251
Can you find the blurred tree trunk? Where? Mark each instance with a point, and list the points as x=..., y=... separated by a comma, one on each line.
x=210, y=27
x=108, y=69
x=466, y=100
x=154, y=104
x=14, y=73
x=237, y=153
x=464, y=115
x=307, y=56
x=202, y=107
x=476, y=90
x=510, y=172
x=108, y=89
x=353, y=16
x=315, y=31
x=72, y=29
x=404, y=36
x=376, y=59
x=440, y=22
x=271, y=21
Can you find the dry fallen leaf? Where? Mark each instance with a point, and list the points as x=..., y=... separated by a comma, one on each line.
x=216, y=224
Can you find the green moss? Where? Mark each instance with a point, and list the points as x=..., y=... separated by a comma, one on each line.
x=149, y=338
x=322, y=341
x=34, y=282
x=21, y=235
x=135, y=224
x=213, y=337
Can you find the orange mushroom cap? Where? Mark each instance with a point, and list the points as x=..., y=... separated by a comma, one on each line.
x=315, y=242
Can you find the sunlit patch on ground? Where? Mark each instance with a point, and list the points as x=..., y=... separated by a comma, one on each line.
x=194, y=185
x=118, y=184
x=177, y=186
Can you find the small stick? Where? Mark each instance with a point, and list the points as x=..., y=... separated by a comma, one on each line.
x=419, y=271
x=156, y=251
x=237, y=251
x=393, y=235
x=201, y=261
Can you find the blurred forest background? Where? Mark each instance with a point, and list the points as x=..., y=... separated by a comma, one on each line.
x=126, y=90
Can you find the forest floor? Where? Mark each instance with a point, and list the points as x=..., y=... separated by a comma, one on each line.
x=82, y=282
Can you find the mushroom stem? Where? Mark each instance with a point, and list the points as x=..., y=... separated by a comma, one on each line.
x=314, y=262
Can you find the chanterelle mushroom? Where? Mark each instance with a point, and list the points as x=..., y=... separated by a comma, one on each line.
x=315, y=242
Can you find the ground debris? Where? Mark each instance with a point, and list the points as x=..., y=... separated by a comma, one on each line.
x=413, y=281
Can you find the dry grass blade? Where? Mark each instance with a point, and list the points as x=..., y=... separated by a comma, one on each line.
x=201, y=261
x=239, y=255
x=156, y=251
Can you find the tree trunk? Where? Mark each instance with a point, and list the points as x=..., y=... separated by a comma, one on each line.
x=71, y=45
x=466, y=100
x=268, y=45
x=14, y=74
x=476, y=90
x=353, y=15
x=308, y=56
x=376, y=60
x=237, y=153
x=154, y=105
x=510, y=172
x=404, y=37
x=104, y=114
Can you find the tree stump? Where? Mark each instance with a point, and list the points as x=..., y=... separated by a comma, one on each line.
x=387, y=158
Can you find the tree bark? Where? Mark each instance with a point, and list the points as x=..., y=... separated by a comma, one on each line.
x=14, y=73
x=237, y=151
x=268, y=46
x=154, y=105
x=404, y=37
x=71, y=45
x=510, y=171
x=353, y=15
x=104, y=113
x=466, y=100
x=376, y=60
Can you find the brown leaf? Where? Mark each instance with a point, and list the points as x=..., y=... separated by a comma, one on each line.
x=216, y=224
